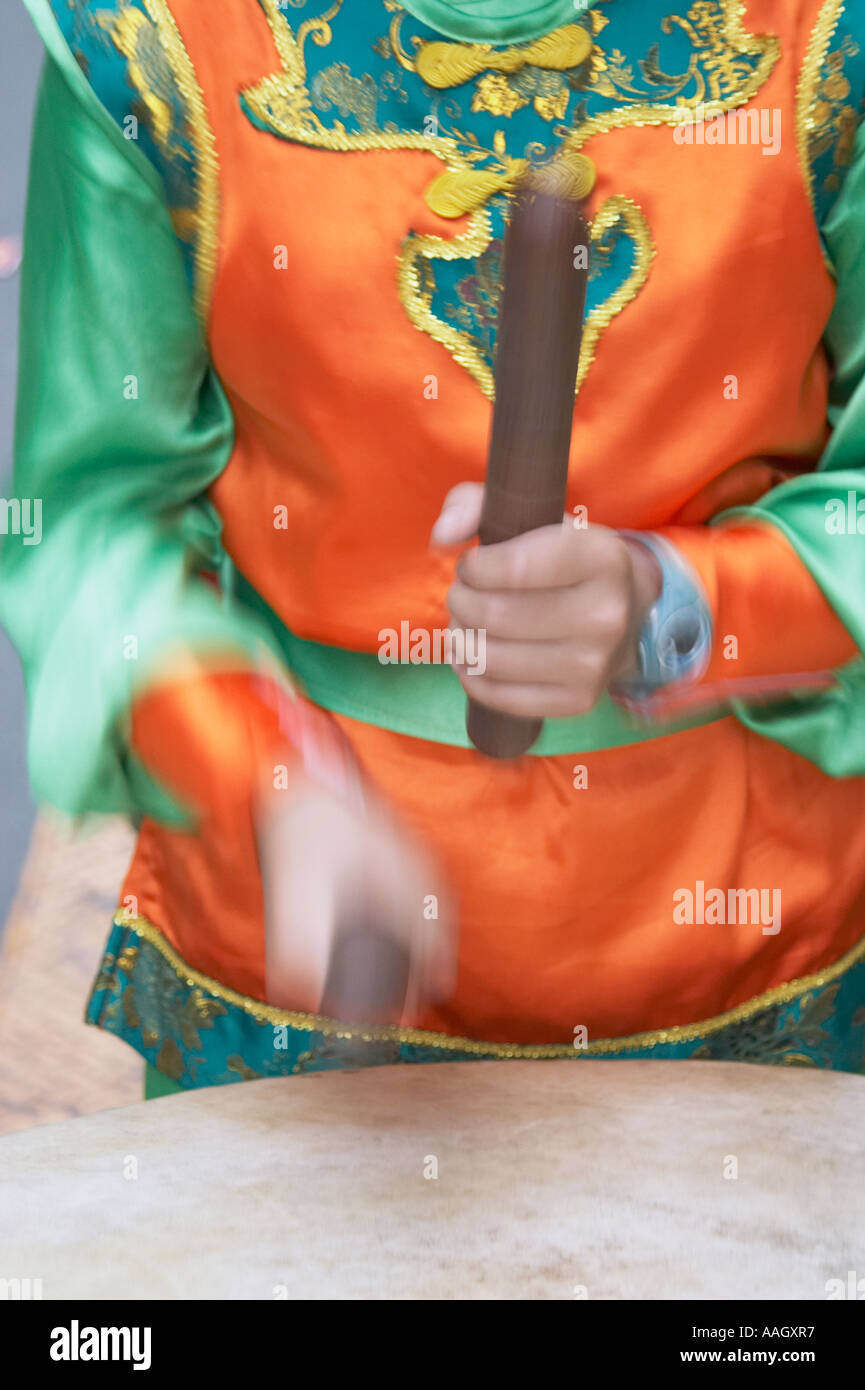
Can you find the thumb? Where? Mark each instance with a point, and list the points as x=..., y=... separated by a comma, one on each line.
x=460, y=515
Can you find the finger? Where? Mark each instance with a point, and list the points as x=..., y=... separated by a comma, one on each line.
x=300, y=911
x=547, y=558
x=529, y=663
x=533, y=616
x=534, y=701
x=460, y=515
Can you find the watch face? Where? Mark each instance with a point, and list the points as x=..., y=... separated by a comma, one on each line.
x=683, y=638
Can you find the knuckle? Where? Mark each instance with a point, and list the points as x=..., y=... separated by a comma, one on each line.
x=519, y=568
x=614, y=617
x=494, y=613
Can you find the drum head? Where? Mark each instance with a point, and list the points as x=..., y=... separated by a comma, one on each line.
x=488, y=1180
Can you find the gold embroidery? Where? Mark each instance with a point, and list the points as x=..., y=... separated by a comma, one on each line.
x=197, y=1013
x=352, y=96
x=418, y=1037
x=716, y=30
x=454, y=193
x=736, y=65
x=451, y=64
x=824, y=117
x=497, y=96
x=551, y=99
x=609, y=215
x=206, y=164
x=127, y=959
x=548, y=92
x=806, y=91
x=768, y=1040
x=170, y=1060
x=568, y=176
x=417, y=296
x=281, y=102
x=236, y=1064
x=130, y=1011
x=807, y=116
x=135, y=37
x=717, y=72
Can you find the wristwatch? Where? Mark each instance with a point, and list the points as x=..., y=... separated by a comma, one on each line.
x=675, y=641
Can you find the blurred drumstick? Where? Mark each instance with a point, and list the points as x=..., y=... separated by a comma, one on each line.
x=368, y=976
x=537, y=356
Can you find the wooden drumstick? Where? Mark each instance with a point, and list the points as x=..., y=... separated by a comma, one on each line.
x=537, y=356
x=368, y=977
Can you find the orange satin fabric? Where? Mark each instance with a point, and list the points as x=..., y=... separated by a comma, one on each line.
x=762, y=596
x=566, y=895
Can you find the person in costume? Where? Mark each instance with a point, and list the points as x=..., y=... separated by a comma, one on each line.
x=260, y=287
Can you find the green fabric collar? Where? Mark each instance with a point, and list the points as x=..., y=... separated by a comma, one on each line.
x=496, y=21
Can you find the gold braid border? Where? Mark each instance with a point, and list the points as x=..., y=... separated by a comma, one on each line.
x=806, y=90
x=418, y=1037
x=207, y=162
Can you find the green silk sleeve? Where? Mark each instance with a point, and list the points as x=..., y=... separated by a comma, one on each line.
x=829, y=728
x=120, y=428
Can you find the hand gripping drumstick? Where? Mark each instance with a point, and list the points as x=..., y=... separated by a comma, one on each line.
x=537, y=355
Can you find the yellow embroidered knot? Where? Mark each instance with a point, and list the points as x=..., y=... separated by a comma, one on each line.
x=569, y=176
x=450, y=64
x=457, y=192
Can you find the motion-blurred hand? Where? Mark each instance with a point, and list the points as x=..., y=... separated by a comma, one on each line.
x=327, y=862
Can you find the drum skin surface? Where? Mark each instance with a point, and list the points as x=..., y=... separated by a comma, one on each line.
x=555, y=1180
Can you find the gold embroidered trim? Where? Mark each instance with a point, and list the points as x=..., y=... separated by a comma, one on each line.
x=450, y=64
x=281, y=102
x=766, y=47
x=572, y=177
x=806, y=90
x=613, y=211
x=206, y=160
x=418, y=1037
x=609, y=214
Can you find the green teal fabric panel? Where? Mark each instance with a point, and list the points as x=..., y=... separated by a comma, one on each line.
x=426, y=701
x=120, y=427
x=59, y=52
x=836, y=119
x=495, y=21
x=89, y=34
x=844, y=235
x=197, y=1036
